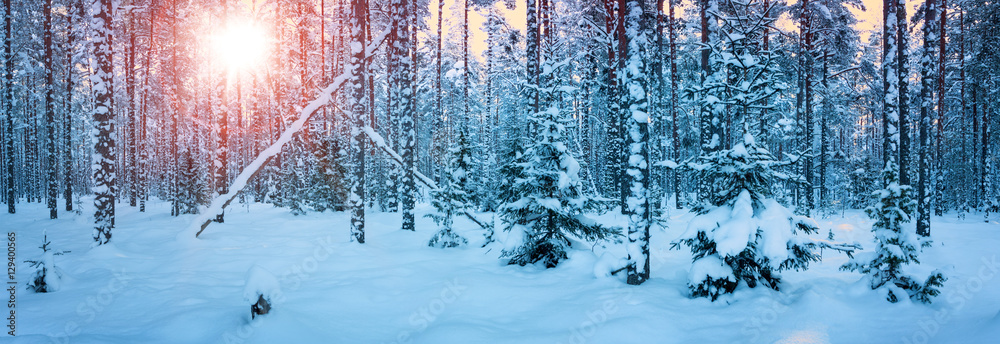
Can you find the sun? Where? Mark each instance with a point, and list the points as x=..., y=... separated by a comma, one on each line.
x=241, y=46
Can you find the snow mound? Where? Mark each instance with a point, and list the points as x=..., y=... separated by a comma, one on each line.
x=261, y=282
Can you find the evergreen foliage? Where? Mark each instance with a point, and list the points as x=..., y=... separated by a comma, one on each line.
x=744, y=235
x=453, y=197
x=47, y=276
x=896, y=245
x=550, y=206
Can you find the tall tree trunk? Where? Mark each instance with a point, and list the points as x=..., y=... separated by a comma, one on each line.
x=358, y=70
x=926, y=106
x=903, y=73
x=674, y=77
x=614, y=148
x=8, y=95
x=976, y=166
x=104, y=121
x=51, y=163
x=143, y=145
x=710, y=122
x=174, y=193
x=808, y=190
x=130, y=152
x=620, y=144
x=984, y=151
x=531, y=48
x=939, y=204
x=636, y=102
x=405, y=110
x=69, y=105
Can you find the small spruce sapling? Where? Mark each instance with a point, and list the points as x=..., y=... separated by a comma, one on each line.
x=453, y=197
x=743, y=234
x=47, y=276
x=547, y=204
x=896, y=245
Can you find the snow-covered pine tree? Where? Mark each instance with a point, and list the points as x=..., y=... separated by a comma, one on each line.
x=47, y=277
x=896, y=245
x=550, y=204
x=327, y=186
x=453, y=197
x=744, y=235
x=191, y=191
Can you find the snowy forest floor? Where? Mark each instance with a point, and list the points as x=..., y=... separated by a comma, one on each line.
x=150, y=287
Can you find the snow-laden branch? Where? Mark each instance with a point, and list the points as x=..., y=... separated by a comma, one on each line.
x=220, y=203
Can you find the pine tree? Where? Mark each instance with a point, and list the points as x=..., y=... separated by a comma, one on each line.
x=744, y=235
x=895, y=245
x=550, y=204
x=454, y=196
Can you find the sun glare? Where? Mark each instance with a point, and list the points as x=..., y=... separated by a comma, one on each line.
x=241, y=46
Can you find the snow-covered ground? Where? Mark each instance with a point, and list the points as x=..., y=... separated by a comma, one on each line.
x=150, y=287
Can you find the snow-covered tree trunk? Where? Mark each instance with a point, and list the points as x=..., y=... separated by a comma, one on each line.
x=75, y=13
x=890, y=89
x=220, y=109
x=615, y=138
x=131, y=168
x=674, y=103
x=143, y=145
x=104, y=122
x=51, y=163
x=8, y=99
x=903, y=95
x=404, y=109
x=939, y=184
x=174, y=169
x=617, y=145
x=357, y=69
x=637, y=170
x=926, y=106
x=804, y=107
x=710, y=122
